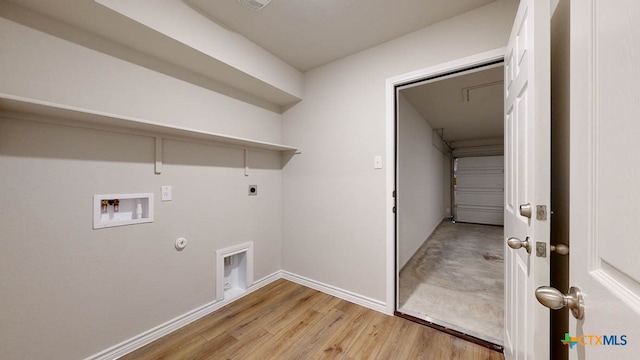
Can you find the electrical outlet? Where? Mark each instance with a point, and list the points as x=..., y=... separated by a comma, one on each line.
x=377, y=162
x=166, y=193
x=253, y=190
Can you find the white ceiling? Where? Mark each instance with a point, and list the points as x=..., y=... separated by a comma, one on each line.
x=303, y=33
x=309, y=33
x=467, y=107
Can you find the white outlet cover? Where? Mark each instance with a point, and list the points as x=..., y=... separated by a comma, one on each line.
x=377, y=162
x=166, y=193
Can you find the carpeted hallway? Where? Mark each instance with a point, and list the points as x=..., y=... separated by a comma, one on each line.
x=456, y=279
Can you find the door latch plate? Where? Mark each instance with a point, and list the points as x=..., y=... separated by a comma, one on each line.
x=541, y=212
x=541, y=249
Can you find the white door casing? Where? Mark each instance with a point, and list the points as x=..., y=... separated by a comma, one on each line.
x=527, y=178
x=473, y=61
x=604, y=168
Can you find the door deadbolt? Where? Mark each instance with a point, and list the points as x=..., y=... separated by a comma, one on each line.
x=525, y=210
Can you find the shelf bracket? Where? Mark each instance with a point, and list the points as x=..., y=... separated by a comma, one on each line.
x=246, y=162
x=158, y=166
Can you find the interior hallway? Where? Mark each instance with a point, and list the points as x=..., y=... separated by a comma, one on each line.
x=457, y=279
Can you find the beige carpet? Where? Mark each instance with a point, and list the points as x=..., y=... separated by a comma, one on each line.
x=457, y=279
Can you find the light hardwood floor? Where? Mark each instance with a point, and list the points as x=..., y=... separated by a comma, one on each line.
x=284, y=320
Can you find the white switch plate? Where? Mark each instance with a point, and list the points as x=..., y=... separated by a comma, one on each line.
x=166, y=193
x=377, y=162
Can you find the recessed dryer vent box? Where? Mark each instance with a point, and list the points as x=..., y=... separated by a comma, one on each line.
x=122, y=209
x=234, y=267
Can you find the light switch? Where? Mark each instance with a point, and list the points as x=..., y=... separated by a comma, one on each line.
x=166, y=193
x=377, y=162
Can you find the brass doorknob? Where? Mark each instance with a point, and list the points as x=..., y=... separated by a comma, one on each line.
x=516, y=243
x=560, y=249
x=554, y=299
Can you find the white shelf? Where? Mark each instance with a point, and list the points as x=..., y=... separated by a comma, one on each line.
x=24, y=108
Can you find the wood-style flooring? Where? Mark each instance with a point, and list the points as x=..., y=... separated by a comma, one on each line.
x=284, y=320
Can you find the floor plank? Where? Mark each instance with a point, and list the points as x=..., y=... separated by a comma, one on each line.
x=402, y=333
x=284, y=320
x=277, y=320
x=243, y=349
x=372, y=338
x=337, y=344
x=287, y=338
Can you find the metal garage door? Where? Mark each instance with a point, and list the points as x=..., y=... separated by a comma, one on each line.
x=479, y=189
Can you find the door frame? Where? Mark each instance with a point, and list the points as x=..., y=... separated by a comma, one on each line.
x=390, y=156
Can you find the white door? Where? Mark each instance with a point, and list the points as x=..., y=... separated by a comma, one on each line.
x=527, y=179
x=605, y=170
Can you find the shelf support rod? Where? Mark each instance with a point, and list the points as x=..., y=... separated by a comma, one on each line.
x=158, y=167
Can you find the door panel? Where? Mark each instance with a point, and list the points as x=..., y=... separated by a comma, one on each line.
x=605, y=49
x=527, y=178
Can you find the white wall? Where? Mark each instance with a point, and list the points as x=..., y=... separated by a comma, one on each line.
x=39, y=66
x=420, y=182
x=177, y=20
x=334, y=201
x=69, y=291
x=446, y=180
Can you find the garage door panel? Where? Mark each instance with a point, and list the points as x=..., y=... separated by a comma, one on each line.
x=481, y=163
x=480, y=181
x=485, y=215
x=488, y=198
x=479, y=190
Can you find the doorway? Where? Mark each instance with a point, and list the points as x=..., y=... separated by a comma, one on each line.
x=449, y=266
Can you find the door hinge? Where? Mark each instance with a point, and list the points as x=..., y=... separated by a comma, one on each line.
x=394, y=209
x=393, y=193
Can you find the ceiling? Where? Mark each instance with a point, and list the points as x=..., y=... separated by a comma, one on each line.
x=467, y=107
x=307, y=33
x=303, y=33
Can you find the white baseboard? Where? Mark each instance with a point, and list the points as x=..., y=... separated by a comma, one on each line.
x=156, y=333
x=337, y=292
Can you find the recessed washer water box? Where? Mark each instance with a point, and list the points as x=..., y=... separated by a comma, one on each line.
x=122, y=209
